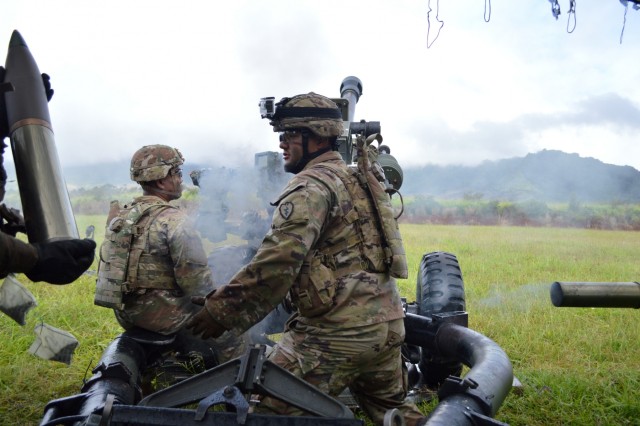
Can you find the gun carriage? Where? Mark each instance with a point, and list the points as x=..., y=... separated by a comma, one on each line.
x=438, y=341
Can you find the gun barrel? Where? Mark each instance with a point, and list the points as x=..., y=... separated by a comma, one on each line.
x=351, y=90
x=596, y=294
x=45, y=201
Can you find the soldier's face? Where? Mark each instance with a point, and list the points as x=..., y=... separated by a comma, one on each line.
x=171, y=185
x=177, y=182
x=291, y=146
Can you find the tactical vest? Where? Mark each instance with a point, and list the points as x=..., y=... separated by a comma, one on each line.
x=124, y=265
x=395, y=256
x=374, y=227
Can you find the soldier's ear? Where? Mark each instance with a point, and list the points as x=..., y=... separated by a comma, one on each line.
x=321, y=143
x=149, y=186
x=162, y=183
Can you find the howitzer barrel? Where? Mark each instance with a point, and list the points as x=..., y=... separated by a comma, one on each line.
x=45, y=201
x=596, y=294
x=351, y=90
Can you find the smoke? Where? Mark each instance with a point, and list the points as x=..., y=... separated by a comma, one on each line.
x=235, y=212
x=234, y=204
x=520, y=299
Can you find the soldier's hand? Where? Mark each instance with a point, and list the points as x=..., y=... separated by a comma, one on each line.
x=62, y=262
x=15, y=221
x=202, y=322
x=4, y=125
x=46, y=81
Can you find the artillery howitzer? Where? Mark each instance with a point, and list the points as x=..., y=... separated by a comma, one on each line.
x=596, y=294
x=437, y=343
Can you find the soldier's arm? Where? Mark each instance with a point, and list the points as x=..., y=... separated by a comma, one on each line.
x=262, y=284
x=15, y=255
x=191, y=268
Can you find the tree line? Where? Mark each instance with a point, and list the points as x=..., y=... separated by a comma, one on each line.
x=472, y=209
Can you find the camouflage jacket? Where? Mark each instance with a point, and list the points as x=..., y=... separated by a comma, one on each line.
x=173, y=240
x=15, y=255
x=310, y=214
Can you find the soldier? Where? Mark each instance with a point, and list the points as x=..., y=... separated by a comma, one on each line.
x=56, y=262
x=324, y=250
x=152, y=260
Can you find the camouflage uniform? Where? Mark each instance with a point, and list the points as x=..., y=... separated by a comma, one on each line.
x=15, y=255
x=174, y=253
x=354, y=340
x=172, y=266
x=328, y=249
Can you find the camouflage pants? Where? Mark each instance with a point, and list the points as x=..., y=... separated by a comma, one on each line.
x=366, y=359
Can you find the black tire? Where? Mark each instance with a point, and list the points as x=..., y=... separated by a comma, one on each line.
x=440, y=288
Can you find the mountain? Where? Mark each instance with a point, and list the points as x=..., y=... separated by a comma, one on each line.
x=548, y=175
x=88, y=176
x=112, y=173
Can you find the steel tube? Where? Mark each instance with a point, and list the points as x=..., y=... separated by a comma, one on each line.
x=491, y=371
x=596, y=294
x=351, y=90
x=45, y=201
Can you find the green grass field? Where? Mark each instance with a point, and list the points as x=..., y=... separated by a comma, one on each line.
x=578, y=366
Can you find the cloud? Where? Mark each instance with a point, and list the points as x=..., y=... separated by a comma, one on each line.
x=525, y=133
x=191, y=74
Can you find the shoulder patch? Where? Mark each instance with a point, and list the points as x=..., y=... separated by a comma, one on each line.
x=286, y=209
x=292, y=187
x=291, y=207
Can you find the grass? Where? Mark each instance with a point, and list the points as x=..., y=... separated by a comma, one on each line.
x=578, y=366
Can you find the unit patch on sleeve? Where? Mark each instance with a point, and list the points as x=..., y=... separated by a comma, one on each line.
x=286, y=210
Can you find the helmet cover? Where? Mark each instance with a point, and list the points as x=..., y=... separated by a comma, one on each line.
x=311, y=111
x=153, y=162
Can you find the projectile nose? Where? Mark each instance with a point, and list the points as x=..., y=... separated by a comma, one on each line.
x=16, y=39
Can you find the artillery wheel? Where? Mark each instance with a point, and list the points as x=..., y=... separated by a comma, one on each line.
x=440, y=288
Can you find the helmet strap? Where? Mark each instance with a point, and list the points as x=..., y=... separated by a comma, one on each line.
x=306, y=156
x=154, y=190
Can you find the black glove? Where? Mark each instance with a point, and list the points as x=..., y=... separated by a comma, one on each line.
x=202, y=322
x=14, y=221
x=4, y=126
x=46, y=81
x=62, y=262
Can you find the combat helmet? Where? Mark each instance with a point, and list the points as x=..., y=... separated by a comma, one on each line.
x=153, y=162
x=310, y=111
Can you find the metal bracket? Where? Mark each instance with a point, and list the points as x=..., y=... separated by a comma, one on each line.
x=107, y=411
x=482, y=420
x=467, y=386
x=251, y=373
x=453, y=385
x=460, y=318
x=229, y=395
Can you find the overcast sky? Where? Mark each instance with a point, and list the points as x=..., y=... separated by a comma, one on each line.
x=190, y=74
